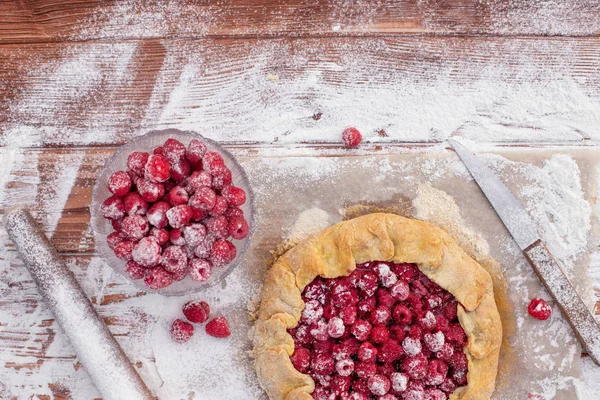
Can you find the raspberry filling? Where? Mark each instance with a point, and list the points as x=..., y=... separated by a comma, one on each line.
x=384, y=330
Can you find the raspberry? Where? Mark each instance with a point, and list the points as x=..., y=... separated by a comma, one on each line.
x=415, y=332
x=157, y=169
x=436, y=372
x=336, y=327
x=539, y=309
x=123, y=250
x=195, y=151
x=460, y=377
x=199, y=179
x=196, y=311
x=400, y=290
x=367, y=305
x=445, y=352
x=157, y=278
x=450, y=310
x=157, y=214
x=135, y=226
x=399, y=381
x=199, y=270
x=420, y=289
x=367, y=352
x=120, y=183
x=113, y=208
x=351, y=137
x=203, y=199
x=180, y=170
x=402, y=314
x=380, y=316
x=179, y=275
x=301, y=359
x=434, y=341
x=384, y=298
x=322, y=364
x=218, y=227
x=194, y=234
x=150, y=191
x=222, y=253
x=303, y=335
x=135, y=270
x=162, y=235
x=220, y=206
x=441, y=323
x=361, y=386
x=179, y=216
x=320, y=330
x=116, y=224
x=313, y=311
x=379, y=334
x=340, y=384
x=234, y=195
x=181, y=331
x=222, y=178
x=158, y=151
x=344, y=298
x=428, y=321
x=456, y=334
x=433, y=302
x=233, y=211
x=218, y=327
x=348, y=315
x=368, y=284
x=147, y=252
x=448, y=385
x=203, y=249
x=115, y=238
x=325, y=346
x=169, y=184
x=434, y=394
x=178, y=196
x=415, y=367
x=414, y=393
x=321, y=393
x=397, y=332
x=458, y=361
x=346, y=348
x=390, y=351
x=386, y=369
x=212, y=162
x=135, y=204
x=198, y=215
x=174, y=150
x=315, y=290
x=379, y=384
x=176, y=237
x=136, y=162
x=174, y=259
x=345, y=367
x=385, y=274
x=361, y=330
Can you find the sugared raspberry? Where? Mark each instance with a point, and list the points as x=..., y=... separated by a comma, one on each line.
x=414, y=392
x=194, y=234
x=402, y=314
x=179, y=275
x=180, y=170
x=539, y=309
x=384, y=298
x=348, y=315
x=157, y=169
x=234, y=195
x=416, y=366
x=147, y=252
x=198, y=215
x=415, y=332
x=361, y=330
x=397, y=332
x=346, y=348
x=157, y=214
x=345, y=367
x=113, y=208
x=313, y=311
x=441, y=323
x=135, y=270
x=385, y=274
x=218, y=327
x=419, y=288
x=379, y=384
x=232, y=212
x=174, y=150
x=195, y=151
x=460, y=377
x=362, y=387
x=400, y=290
x=218, y=227
x=316, y=290
x=158, y=151
x=434, y=394
x=212, y=162
x=238, y=227
x=222, y=178
x=368, y=284
x=344, y=298
x=123, y=250
x=390, y=351
x=174, y=259
x=179, y=216
x=162, y=235
x=336, y=327
x=303, y=335
x=448, y=385
x=220, y=206
x=456, y=334
x=115, y=238
x=446, y=352
x=434, y=341
x=320, y=330
x=176, y=237
x=321, y=393
x=367, y=352
x=157, y=278
x=203, y=199
x=379, y=334
x=380, y=316
x=322, y=364
x=427, y=322
x=450, y=310
x=181, y=331
x=367, y=305
x=135, y=204
x=351, y=137
x=150, y=191
x=436, y=372
x=135, y=226
x=199, y=179
x=136, y=162
x=340, y=384
x=196, y=311
x=222, y=253
x=178, y=196
x=116, y=224
x=301, y=359
x=433, y=302
x=203, y=249
x=458, y=361
x=120, y=183
x=199, y=270
x=399, y=381
x=325, y=346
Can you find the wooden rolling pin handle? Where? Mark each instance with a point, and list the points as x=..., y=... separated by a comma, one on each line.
x=572, y=306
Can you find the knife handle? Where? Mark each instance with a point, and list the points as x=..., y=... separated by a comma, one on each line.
x=573, y=308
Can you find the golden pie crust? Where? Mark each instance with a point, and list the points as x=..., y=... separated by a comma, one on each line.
x=334, y=252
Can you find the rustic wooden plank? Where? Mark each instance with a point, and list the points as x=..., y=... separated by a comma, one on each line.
x=300, y=90
x=51, y=20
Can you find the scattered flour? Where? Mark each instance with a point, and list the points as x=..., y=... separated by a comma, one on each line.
x=308, y=223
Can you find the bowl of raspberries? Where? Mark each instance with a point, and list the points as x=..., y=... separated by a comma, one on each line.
x=172, y=211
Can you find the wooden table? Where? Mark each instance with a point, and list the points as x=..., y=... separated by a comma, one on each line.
x=79, y=78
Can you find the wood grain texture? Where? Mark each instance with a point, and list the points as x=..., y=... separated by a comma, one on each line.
x=50, y=20
x=290, y=90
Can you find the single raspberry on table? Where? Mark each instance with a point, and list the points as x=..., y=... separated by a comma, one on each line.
x=218, y=327
x=199, y=270
x=181, y=331
x=136, y=162
x=351, y=137
x=120, y=183
x=113, y=208
x=135, y=204
x=173, y=150
x=222, y=253
x=157, y=278
x=157, y=169
x=195, y=151
x=135, y=270
x=234, y=195
x=539, y=309
x=196, y=311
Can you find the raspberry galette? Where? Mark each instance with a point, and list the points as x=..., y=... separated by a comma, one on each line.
x=377, y=307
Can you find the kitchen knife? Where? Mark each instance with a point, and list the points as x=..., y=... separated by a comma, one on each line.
x=523, y=230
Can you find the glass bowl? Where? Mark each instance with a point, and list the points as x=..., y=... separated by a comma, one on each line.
x=102, y=227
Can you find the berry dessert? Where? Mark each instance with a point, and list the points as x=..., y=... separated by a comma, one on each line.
x=175, y=212
x=335, y=322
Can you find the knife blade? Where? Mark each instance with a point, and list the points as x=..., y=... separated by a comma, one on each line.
x=523, y=229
